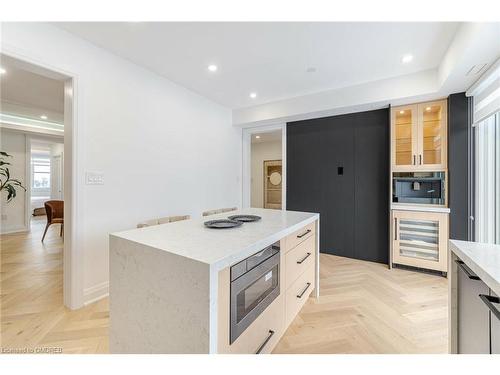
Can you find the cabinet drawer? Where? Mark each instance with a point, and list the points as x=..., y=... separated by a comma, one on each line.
x=298, y=294
x=299, y=259
x=300, y=236
x=264, y=333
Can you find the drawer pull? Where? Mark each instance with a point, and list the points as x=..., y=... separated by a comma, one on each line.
x=305, y=290
x=303, y=259
x=270, y=334
x=303, y=234
x=489, y=300
x=466, y=270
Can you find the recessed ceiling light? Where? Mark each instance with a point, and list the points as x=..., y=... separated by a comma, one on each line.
x=43, y=117
x=212, y=68
x=311, y=69
x=253, y=95
x=407, y=58
x=257, y=137
x=428, y=109
x=401, y=112
x=2, y=70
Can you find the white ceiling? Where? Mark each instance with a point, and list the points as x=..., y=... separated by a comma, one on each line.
x=29, y=94
x=272, y=58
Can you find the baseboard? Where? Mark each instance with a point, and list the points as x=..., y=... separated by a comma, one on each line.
x=15, y=230
x=95, y=293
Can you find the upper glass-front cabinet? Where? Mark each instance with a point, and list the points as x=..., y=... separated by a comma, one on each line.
x=404, y=120
x=419, y=137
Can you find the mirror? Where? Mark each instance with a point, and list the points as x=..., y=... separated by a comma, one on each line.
x=275, y=178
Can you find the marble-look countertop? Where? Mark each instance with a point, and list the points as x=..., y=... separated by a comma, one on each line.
x=483, y=259
x=417, y=207
x=220, y=247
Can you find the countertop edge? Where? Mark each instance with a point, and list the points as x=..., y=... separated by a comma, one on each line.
x=489, y=280
x=249, y=250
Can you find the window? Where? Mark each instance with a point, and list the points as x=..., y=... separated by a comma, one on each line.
x=40, y=173
x=487, y=179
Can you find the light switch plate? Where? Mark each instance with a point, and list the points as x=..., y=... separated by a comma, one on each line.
x=94, y=178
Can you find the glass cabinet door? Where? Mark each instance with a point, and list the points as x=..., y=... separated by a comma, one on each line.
x=404, y=121
x=432, y=133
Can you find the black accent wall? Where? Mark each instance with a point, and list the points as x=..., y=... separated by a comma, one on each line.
x=458, y=164
x=339, y=166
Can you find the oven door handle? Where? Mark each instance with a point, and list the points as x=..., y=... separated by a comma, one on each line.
x=263, y=345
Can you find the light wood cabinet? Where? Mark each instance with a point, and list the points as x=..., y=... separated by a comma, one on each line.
x=420, y=239
x=419, y=137
x=297, y=281
x=299, y=259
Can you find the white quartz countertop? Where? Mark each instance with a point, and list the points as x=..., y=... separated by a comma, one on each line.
x=483, y=259
x=220, y=247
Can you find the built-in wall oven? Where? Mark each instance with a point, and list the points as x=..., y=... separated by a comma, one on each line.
x=419, y=187
x=255, y=284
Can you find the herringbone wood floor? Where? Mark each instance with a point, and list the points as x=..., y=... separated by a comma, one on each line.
x=366, y=308
x=363, y=308
x=32, y=311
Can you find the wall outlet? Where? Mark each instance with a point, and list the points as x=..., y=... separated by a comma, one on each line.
x=94, y=178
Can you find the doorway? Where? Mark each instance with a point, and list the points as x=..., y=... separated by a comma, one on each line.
x=264, y=182
x=37, y=110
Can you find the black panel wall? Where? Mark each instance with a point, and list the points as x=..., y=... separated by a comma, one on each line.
x=339, y=166
x=458, y=162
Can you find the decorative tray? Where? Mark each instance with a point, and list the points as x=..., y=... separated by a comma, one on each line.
x=222, y=224
x=245, y=218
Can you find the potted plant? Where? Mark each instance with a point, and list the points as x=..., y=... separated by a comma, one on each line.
x=6, y=182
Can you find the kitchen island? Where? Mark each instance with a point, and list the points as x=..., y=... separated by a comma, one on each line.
x=170, y=284
x=474, y=304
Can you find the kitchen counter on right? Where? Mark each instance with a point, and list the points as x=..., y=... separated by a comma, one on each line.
x=474, y=303
x=482, y=258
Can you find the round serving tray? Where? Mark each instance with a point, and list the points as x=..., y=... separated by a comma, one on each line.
x=222, y=224
x=245, y=218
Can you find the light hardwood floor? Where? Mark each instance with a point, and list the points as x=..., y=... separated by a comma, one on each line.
x=363, y=308
x=32, y=312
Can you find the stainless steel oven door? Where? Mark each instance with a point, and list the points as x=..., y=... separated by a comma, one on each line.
x=252, y=292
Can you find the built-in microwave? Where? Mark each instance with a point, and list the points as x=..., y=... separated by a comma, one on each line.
x=419, y=187
x=255, y=284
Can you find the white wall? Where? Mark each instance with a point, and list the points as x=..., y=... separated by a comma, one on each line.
x=260, y=152
x=163, y=149
x=13, y=213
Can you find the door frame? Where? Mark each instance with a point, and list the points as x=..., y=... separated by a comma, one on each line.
x=30, y=137
x=247, y=161
x=73, y=295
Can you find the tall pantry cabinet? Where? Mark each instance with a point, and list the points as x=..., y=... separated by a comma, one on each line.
x=419, y=138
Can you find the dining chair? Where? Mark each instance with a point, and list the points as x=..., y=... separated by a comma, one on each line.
x=55, y=215
x=163, y=220
x=219, y=211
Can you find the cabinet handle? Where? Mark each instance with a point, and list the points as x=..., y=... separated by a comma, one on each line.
x=395, y=229
x=466, y=270
x=303, y=259
x=420, y=159
x=305, y=290
x=489, y=300
x=303, y=234
x=270, y=334
x=414, y=159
